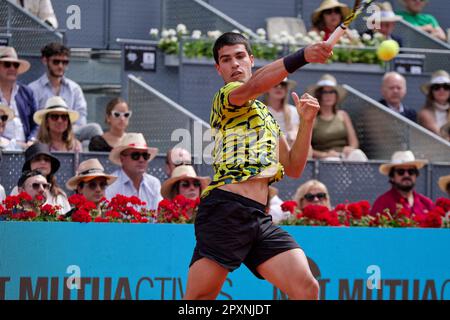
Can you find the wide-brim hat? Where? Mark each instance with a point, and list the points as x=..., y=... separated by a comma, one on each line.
x=131, y=141
x=386, y=13
x=445, y=131
x=438, y=77
x=327, y=80
x=7, y=110
x=402, y=159
x=291, y=84
x=55, y=104
x=181, y=173
x=37, y=149
x=88, y=170
x=10, y=54
x=443, y=182
x=329, y=4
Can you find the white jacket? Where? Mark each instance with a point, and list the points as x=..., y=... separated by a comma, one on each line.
x=42, y=9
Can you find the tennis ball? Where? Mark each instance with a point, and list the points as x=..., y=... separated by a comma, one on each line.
x=387, y=50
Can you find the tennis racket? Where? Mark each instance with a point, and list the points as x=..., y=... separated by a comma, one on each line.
x=358, y=7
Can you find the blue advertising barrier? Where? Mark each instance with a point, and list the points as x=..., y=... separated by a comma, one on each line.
x=42, y=261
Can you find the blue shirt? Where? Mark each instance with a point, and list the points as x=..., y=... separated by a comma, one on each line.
x=70, y=91
x=149, y=189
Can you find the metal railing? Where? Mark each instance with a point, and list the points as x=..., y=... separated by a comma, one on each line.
x=164, y=122
x=416, y=38
x=28, y=33
x=198, y=15
x=382, y=131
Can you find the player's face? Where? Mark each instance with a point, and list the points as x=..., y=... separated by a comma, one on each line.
x=235, y=64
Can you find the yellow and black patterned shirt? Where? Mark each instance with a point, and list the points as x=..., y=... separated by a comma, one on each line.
x=246, y=141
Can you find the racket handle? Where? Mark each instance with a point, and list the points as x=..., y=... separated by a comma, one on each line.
x=336, y=35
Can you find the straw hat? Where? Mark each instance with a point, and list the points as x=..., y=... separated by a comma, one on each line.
x=131, y=141
x=438, y=77
x=386, y=13
x=55, y=104
x=10, y=54
x=329, y=81
x=7, y=110
x=89, y=170
x=443, y=183
x=402, y=159
x=291, y=84
x=329, y=4
x=181, y=173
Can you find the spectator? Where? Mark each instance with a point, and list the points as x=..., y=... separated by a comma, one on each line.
x=6, y=114
x=42, y=9
x=184, y=181
x=424, y=21
x=403, y=171
x=133, y=155
x=56, y=58
x=38, y=157
x=277, y=99
x=176, y=157
x=117, y=117
x=2, y=190
x=312, y=192
x=436, y=112
x=333, y=134
x=55, y=122
x=34, y=183
x=328, y=16
x=444, y=184
x=393, y=90
x=18, y=97
x=385, y=19
x=90, y=181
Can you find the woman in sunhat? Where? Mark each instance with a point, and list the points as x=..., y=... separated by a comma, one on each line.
x=444, y=184
x=328, y=16
x=6, y=114
x=38, y=157
x=184, y=181
x=383, y=21
x=90, y=181
x=333, y=134
x=55, y=122
x=277, y=101
x=436, y=112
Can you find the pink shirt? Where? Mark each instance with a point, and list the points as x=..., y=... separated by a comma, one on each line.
x=392, y=200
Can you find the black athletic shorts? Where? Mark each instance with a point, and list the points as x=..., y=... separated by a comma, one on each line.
x=231, y=229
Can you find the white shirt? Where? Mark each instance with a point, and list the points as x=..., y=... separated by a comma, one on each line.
x=42, y=9
x=14, y=127
x=279, y=117
x=275, y=211
x=149, y=189
x=2, y=193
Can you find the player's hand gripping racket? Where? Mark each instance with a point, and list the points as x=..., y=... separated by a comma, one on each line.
x=358, y=7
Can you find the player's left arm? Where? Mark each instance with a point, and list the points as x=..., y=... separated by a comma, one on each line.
x=294, y=159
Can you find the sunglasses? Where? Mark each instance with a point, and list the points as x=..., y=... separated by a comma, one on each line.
x=117, y=114
x=4, y=118
x=40, y=158
x=411, y=172
x=187, y=183
x=311, y=196
x=56, y=62
x=92, y=185
x=329, y=91
x=36, y=186
x=137, y=155
x=8, y=64
x=55, y=116
x=332, y=10
x=438, y=86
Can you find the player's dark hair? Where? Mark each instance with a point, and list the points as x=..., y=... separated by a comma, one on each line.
x=230, y=39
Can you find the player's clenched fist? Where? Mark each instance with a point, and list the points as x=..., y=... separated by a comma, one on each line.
x=318, y=52
x=307, y=106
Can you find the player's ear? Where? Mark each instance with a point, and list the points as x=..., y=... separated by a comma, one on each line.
x=252, y=59
x=219, y=72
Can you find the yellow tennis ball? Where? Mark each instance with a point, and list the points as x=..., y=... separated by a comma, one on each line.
x=387, y=50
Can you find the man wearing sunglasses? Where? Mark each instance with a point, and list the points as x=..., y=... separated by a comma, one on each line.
x=133, y=156
x=403, y=171
x=56, y=58
x=18, y=97
x=34, y=183
x=176, y=157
